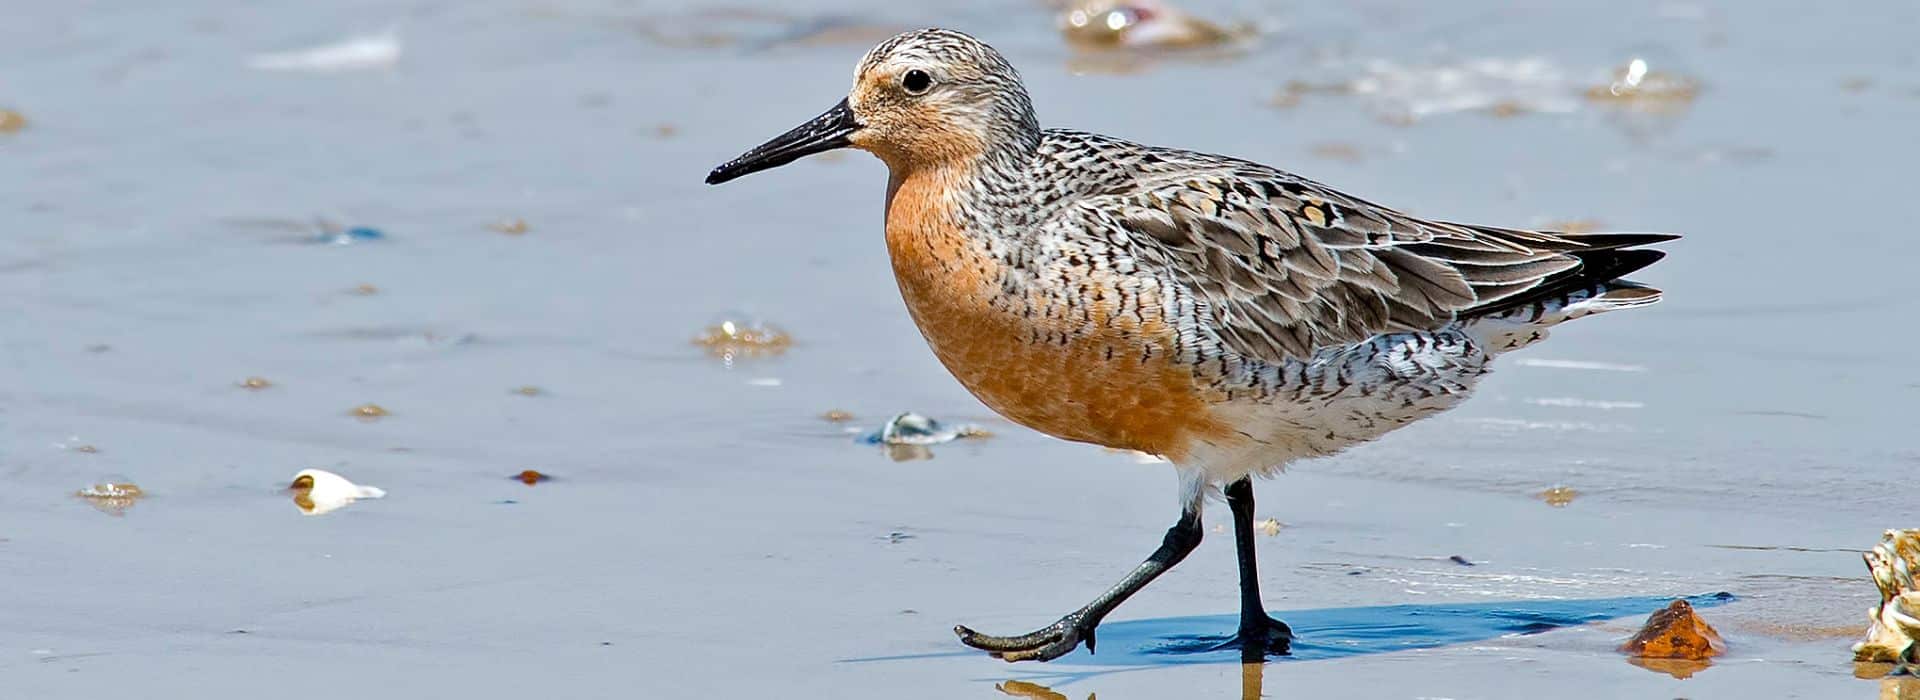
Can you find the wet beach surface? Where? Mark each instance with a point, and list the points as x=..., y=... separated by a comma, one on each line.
x=706, y=532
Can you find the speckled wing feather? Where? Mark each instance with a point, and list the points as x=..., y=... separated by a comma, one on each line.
x=1288, y=266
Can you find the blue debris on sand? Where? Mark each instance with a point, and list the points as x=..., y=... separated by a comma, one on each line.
x=357, y=234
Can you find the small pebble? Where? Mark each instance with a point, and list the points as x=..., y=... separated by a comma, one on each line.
x=86, y=449
x=1559, y=496
x=12, y=121
x=836, y=416
x=531, y=477
x=529, y=390
x=366, y=290
x=255, y=383
x=511, y=227
x=369, y=412
x=1676, y=632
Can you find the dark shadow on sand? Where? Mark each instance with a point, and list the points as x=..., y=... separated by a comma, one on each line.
x=1332, y=633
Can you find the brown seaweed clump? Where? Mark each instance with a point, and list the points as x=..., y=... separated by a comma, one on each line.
x=1675, y=641
x=1893, y=632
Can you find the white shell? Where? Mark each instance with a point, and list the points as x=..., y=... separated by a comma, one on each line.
x=352, y=53
x=330, y=492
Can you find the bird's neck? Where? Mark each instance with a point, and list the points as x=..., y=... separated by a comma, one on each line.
x=979, y=192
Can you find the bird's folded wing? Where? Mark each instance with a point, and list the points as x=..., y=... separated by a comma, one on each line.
x=1288, y=266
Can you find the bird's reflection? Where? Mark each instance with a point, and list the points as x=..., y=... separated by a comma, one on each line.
x=1678, y=668
x=1033, y=691
x=1252, y=675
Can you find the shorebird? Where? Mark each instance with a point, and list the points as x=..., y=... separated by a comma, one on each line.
x=1226, y=315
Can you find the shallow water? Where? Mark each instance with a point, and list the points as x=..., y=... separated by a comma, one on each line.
x=707, y=533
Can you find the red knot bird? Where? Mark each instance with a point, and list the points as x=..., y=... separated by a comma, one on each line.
x=1226, y=315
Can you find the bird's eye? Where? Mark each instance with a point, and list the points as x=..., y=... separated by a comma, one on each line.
x=916, y=81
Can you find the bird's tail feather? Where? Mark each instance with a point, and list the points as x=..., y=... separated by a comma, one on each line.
x=1524, y=325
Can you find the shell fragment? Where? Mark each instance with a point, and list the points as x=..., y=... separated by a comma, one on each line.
x=1893, y=632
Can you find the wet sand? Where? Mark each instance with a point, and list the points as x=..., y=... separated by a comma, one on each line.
x=706, y=533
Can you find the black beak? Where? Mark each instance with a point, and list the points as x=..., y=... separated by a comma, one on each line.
x=824, y=133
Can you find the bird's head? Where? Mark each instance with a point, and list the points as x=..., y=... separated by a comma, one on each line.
x=923, y=98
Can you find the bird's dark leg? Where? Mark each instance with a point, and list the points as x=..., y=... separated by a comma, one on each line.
x=1059, y=638
x=1259, y=634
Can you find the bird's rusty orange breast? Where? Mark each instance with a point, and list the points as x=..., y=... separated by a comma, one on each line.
x=1092, y=376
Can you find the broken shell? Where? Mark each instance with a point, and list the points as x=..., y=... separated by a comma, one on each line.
x=531, y=477
x=86, y=449
x=529, y=390
x=730, y=339
x=1676, y=632
x=1559, y=496
x=1268, y=527
x=365, y=290
x=914, y=429
x=255, y=383
x=1637, y=85
x=113, y=496
x=511, y=227
x=836, y=416
x=317, y=491
x=1139, y=24
x=1893, y=631
x=369, y=412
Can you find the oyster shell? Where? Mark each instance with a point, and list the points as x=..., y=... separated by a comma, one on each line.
x=1893, y=632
